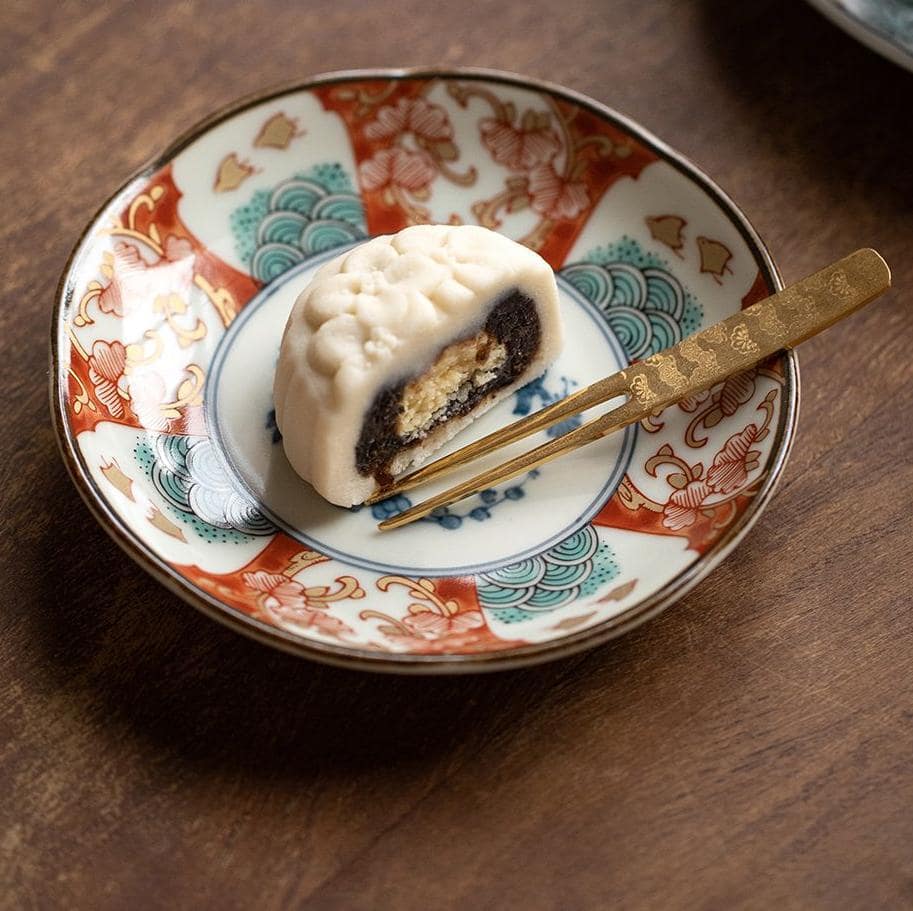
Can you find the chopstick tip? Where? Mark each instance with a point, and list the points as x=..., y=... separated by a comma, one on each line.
x=395, y=522
x=378, y=496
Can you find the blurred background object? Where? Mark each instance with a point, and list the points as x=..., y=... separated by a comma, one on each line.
x=886, y=26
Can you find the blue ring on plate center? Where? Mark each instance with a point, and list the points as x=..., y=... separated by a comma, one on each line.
x=211, y=408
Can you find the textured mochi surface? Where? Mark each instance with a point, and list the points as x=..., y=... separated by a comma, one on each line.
x=381, y=315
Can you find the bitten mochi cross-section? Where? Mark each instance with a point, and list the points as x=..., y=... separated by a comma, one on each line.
x=402, y=341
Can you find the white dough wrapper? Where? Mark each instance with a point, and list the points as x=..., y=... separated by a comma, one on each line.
x=425, y=329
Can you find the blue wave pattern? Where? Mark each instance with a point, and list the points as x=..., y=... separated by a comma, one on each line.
x=645, y=305
x=187, y=473
x=309, y=213
x=576, y=567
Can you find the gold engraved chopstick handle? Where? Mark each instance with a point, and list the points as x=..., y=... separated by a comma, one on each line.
x=746, y=338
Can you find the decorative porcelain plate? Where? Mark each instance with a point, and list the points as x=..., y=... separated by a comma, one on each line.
x=886, y=26
x=167, y=329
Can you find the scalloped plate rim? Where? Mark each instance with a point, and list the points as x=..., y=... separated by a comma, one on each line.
x=349, y=657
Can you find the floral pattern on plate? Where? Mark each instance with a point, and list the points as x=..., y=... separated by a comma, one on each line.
x=648, y=252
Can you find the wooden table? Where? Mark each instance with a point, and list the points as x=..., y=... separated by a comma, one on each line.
x=750, y=748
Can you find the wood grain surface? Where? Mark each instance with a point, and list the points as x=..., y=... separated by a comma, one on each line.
x=750, y=748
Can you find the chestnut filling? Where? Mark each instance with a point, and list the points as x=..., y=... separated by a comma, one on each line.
x=501, y=350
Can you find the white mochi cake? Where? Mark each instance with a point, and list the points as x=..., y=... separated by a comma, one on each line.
x=402, y=341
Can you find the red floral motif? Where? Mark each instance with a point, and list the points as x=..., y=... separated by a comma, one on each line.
x=734, y=461
x=145, y=391
x=429, y=625
x=177, y=248
x=106, y=373
x=429, y=632
x=439, y=620
x=126, y=259
x=411, y=115
x=684, y=506
x=284, y=600
x=133, y=279
x=278, y=592
x=728, y=473
x=517, y=148
x=397, y=167
x=555, y=197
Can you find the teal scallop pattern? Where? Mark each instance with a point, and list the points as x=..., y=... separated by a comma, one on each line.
x=645, y=305
x=576, y=567
x=309, y=213
x=197, y=490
